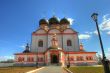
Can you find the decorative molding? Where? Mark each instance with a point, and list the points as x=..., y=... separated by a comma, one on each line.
x=42, y=53
x=80, y=52
x=36, y=34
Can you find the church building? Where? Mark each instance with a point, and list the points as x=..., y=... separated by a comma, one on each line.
x=55, y=42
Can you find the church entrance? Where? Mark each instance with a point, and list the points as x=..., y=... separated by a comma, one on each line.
x=54, y=59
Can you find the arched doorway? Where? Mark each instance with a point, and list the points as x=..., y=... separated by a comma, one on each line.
x=54, y=59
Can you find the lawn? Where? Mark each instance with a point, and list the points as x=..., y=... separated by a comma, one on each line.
x=16, y=69
x=87, y=69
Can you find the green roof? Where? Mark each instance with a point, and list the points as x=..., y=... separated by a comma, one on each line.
x=64, y=21
x=43, y=21
x=54, y=20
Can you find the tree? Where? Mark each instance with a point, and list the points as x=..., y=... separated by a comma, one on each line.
x=99, y=60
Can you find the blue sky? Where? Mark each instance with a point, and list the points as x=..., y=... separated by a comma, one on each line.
x=19, y=18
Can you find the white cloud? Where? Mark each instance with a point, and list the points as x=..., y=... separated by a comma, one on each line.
x=88, y=32
x=22, y=46
x=108, y=49
x=105, y=25
x=58, y=18
x=108, y=32
x=71, y=20
x=95, y=32
x=108, y=56
x=108, y=53
x=84, y=36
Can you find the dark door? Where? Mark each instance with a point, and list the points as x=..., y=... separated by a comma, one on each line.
x=54, y=59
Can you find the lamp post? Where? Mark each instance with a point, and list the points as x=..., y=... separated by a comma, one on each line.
x=68, y=65
x=104, y=60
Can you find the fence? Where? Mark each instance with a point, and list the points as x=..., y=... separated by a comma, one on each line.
x=6, y=64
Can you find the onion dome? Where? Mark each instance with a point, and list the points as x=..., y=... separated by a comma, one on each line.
x=43, y=21
x=53, y=20
x=64, y=21
x=26, y=49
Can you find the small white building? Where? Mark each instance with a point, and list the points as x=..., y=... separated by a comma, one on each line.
x=55, y=42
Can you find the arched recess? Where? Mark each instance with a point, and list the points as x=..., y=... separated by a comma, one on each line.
x=69, y=30
x=69, y=43
x=58, y=36
x=40, y=31
x=40, y=43
x=55, y=31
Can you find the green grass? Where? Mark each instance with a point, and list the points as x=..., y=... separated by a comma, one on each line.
x=16, y=69
x=87, y=69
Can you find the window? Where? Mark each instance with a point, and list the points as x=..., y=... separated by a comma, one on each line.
x=71, y=58
x=40, y=43
x=30, y=59
x=20, y=59
x=69, y=43
x=89, y=58
x=80, y=58
x=40, y=59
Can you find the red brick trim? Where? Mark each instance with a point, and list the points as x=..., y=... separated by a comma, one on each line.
x=42, y=53
x=80, y=52
x=29, y=53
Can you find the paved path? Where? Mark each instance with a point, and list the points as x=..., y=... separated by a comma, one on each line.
x=51, y=69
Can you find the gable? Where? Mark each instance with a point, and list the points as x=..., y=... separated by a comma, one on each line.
x=54, y=31
x=40, y=31
x=69, y=30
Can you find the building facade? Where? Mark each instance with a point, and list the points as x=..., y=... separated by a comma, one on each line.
x=55, y=42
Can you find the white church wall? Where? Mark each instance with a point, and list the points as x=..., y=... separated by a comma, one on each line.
x=40, y=35
x=68, y=48
x=33, y=44
x=74, y=46
x=69, y=34
x=76, y=42
x=41, y=49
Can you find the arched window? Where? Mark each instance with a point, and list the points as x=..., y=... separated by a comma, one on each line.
x=40, y=59
x=40, y=43
x=71, y=58
x=30, y=59
x=89, y=58
x=20, y=59
x=69, y=43
x=80, y=58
